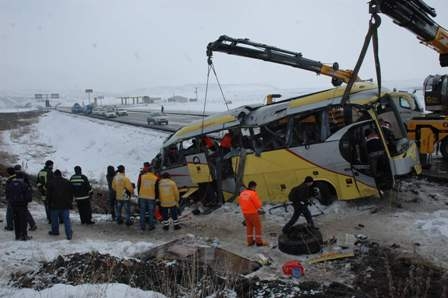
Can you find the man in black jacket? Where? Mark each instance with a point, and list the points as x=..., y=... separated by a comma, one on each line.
x=29, y=217
x=300, y=197
x=60, y=198
x=9, y=213
x=18, y=196
x=82, y=192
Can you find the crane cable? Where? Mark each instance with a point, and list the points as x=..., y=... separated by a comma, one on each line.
x=205, y=99
x=212, y=67
x=372, y=34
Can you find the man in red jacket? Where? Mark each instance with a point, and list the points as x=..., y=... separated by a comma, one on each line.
x=250, y=204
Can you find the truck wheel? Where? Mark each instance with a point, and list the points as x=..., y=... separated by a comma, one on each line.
x=444, y=148
x=327, y=193
x=301, y=239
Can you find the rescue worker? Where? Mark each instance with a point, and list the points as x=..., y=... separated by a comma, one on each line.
x=9, y=213
x=250, y=205
x=29, y=217
x=375, y=151
x=111, y=195
x=18, y=195
x=43, y=177
x=60, y=199
x=226, y=143
x=82, y=192
x=123, y=189
x=208, y=143
x=169, y=201
x=147, y=196
x=301, y=196
x=144, y=170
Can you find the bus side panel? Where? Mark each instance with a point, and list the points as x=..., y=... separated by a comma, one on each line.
x=198, y=168
x=349, y=182
x=181, y=176
x=277, y=172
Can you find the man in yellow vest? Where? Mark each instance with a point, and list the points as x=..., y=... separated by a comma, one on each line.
x=123, y=189
x=147, y=196
x=169, y=201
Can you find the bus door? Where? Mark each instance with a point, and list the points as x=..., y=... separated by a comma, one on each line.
x=367, y=167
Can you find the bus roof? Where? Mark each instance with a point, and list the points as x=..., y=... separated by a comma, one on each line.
x=361, y=93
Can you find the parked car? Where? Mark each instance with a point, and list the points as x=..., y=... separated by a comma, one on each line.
x=76, y=108
x=121, y=112
x=157, y=119
x=98, y=111
x=87, y=109
x=110, y=113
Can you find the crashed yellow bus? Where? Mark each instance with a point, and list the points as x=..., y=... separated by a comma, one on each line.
x=278, y=144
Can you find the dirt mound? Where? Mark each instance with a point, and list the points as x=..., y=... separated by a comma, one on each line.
x=378, y=272
x=172, y=278
x=383, y=272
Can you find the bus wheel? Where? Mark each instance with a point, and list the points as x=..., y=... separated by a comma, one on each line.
x=301, y=239
x=327, y=193
x=444, y=148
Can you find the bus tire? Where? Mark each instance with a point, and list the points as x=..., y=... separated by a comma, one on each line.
x=444, y=148
x=327, y=193
x=301, y=239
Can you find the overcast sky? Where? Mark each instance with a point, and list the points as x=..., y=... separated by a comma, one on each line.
x=117, y=45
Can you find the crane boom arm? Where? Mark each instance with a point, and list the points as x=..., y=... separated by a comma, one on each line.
x=247, y=48
x=417, y=17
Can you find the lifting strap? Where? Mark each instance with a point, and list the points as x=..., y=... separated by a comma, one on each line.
x=372, y=33
x=211, y=67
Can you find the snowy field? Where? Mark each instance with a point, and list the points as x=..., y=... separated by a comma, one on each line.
x=419, y=226
x=93, y=144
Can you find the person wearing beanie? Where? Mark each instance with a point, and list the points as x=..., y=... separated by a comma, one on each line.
x=18, y=195
x=82, y=192
x=300, y=197
x=110, y=174
x=60, y=199
x=43, y=178
x=9, y=214
x=29, y=218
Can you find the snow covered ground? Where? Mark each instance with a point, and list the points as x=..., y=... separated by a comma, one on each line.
x=419, y=225
x=93, y=144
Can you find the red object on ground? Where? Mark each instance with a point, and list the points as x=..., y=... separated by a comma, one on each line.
x=157, y=214
x=290, y=265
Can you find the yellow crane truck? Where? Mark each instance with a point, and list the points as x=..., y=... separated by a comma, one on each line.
x=430, y=131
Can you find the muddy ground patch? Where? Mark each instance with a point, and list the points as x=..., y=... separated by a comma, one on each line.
x=380, y=272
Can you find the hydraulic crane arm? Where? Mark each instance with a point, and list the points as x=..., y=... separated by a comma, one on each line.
x=416, y=16
x=247, y=48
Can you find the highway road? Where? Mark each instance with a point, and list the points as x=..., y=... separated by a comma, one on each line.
x=138, y=118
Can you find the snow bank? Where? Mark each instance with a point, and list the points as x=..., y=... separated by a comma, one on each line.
x=93, y=144
x=88, y=290
x=436, y=224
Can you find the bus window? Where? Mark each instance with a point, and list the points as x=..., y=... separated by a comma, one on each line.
x=306, y=129
x=273, y=135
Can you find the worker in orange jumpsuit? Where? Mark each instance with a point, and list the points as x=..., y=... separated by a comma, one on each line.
x=250, y=204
